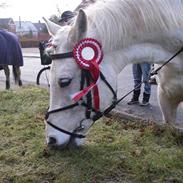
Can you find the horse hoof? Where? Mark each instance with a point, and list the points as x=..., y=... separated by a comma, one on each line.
x=7, y=85
x=20, y=83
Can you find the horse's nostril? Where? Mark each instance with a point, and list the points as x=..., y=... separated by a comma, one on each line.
x=52, y=141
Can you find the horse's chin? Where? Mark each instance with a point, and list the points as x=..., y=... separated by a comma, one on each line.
x=76, y=142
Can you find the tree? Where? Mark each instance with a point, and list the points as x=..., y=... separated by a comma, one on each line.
x=3, y=4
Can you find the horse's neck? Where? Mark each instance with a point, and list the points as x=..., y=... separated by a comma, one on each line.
x=140, y=53
x=123, y=26
x=121, y=23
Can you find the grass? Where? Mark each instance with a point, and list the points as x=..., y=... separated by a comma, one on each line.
x=115, y=150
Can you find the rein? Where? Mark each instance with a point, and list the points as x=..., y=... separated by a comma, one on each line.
x=86, y=79
x=155, y=72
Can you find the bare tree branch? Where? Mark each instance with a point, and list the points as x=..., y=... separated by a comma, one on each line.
x=3, y=4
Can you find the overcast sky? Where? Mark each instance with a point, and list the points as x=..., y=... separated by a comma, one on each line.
x=34, y=10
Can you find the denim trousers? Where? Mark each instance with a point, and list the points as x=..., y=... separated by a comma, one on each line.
x=142, y=71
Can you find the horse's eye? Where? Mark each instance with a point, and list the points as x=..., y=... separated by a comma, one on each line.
x=63, y=82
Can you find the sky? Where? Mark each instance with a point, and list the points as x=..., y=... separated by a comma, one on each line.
x=34, y=10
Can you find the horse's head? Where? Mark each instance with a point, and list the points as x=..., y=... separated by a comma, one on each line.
x=68, y=121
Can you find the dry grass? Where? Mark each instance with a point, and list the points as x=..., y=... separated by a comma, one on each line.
x=115, y=150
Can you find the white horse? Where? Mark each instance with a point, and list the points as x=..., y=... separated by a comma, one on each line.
x=129, y=31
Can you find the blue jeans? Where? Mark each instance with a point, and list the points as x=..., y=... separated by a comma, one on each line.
x=139, y=71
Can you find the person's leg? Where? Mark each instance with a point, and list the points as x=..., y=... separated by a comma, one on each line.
x=137, y=76
x=146, y=67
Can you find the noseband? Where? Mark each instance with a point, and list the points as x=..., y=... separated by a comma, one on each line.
x=86, y=102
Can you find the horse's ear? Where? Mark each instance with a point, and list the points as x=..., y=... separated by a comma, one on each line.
x=79, y=29
x=51, y=26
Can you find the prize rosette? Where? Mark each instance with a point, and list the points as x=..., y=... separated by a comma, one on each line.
x=87, y=52
x=88, y=55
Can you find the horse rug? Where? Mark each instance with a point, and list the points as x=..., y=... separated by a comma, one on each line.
x=10, y=49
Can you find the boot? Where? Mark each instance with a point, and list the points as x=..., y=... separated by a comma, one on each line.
x=145, y=100
x=135, y=98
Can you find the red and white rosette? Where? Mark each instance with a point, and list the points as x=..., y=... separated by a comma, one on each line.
x=88, y=55
x=87, y=52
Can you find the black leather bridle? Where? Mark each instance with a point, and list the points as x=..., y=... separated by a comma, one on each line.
x=86, y=79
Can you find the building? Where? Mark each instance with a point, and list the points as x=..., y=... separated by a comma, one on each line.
x=42, y=31
x=41, y=27
x=26, y=29
x=7, y=24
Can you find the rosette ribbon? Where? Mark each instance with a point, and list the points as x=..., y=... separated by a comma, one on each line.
x=88, y=55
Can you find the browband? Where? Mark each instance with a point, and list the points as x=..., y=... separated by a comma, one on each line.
x=61, y=55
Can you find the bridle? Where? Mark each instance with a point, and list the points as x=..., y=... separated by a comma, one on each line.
x=86, y=79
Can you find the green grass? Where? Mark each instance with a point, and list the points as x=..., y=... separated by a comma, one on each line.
x=115, y=150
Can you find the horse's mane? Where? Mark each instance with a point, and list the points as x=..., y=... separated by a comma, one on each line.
x=84, y=4
x=120, y=23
